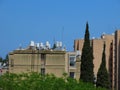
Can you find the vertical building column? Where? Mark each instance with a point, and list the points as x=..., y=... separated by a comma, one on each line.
x=117, y=60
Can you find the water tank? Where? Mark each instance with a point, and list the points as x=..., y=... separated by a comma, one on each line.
x=47, y=43
x=32, y=43
x=93, y=37
x=60, y=44
x=78, y=53
x=57, y=44
x=49, y=46
x=41, y=45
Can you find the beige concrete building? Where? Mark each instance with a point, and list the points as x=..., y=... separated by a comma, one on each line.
x=74, y=64
x=45, y=61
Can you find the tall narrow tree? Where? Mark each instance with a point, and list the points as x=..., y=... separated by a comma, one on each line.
x=102, y=75
x=87, y=73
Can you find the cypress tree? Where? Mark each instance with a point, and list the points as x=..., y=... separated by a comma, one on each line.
x=87, y=73
x=102, y=75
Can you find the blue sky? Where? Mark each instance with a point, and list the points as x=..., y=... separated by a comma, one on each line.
x=43, y=20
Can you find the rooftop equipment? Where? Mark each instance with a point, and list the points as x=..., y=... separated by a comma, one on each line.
x=32, y=43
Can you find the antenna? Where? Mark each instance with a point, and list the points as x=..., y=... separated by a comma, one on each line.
x=54, y=40
x=62, y=33
x=115, y=28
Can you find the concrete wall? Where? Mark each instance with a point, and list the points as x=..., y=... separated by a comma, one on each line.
x=52, y=62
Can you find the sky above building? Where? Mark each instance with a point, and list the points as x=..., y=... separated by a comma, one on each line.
x=54, y=20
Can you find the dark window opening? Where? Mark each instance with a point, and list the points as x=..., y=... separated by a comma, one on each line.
x=43, y=56
x=72, y=74
x=43, y=60
x=12, y=63
x=42, y=71
x=72, y=61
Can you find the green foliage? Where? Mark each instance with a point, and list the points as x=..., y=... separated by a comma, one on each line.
x=102, y=75
x=87, y=74
x=4, y=60
x=54, y=46
x=36, y=81
x=1, y=59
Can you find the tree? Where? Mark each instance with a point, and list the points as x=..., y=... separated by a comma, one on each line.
x=1, y=60
x=54, y=46
x=6, y=60
x=102, y=75
x=35, y=81
x=87, y=74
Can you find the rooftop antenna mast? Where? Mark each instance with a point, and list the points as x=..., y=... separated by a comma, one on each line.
x=62, y=33
x=54, y=39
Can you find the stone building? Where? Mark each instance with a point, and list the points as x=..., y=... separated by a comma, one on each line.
x=44, y=60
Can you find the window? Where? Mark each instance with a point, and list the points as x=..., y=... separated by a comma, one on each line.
x=43, y=60
x=72, y=74
x=12, y=63
x=43, y=56
x=72, y=60
x=42, y=71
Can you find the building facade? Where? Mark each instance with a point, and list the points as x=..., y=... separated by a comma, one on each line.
x=45, y=61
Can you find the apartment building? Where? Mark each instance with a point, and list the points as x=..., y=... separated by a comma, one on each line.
x=45, y=60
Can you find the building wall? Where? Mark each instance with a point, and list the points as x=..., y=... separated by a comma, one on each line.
x=55, y=63
x=109, y=40
x=75, y=69
x=78, y=44
x=52, y=62
x=97, y=49
x=97, y=52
